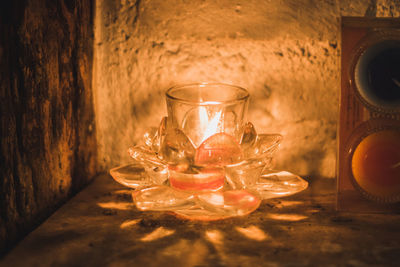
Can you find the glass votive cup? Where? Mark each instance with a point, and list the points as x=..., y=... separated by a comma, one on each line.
x=212, y=117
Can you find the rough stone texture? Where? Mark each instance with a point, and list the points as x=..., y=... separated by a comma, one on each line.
x=100, y=227
x=47, y=133
x=285, y=52
x=371, y=8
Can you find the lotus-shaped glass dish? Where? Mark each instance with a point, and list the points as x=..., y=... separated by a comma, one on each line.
x=220, y=178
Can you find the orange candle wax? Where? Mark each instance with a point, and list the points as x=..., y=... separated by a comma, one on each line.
x=376, y=164
x=210, y=179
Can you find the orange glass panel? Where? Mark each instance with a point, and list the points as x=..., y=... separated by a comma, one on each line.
x=376, y=163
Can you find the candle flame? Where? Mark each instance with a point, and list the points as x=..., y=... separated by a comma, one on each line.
x=209, y=126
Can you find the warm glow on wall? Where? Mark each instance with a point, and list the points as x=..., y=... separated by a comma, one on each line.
x=287, y=62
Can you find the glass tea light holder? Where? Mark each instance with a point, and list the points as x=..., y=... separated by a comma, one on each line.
x=205, y=161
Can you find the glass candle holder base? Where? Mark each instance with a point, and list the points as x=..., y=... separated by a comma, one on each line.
x=204, y=161
x=196, y=205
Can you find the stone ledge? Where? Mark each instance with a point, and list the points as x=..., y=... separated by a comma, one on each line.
x=100, y=226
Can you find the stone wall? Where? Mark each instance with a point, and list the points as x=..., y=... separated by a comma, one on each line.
x=47, y=132
x=285, y=52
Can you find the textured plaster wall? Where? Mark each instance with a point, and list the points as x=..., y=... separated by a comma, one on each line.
x=286, y=53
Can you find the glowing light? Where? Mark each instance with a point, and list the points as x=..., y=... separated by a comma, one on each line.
x=209, y=126
x=116, y=205
x=253, y=232
x=216, y=199
x=288, y=203
x=159, y=233
x=122, y=192
x=214, y=236
x=128, y=223
x=287, y=217
x=203, y=117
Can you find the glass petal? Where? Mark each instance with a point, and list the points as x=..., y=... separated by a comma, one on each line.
x=131, y=175
x=274, y=184
x=219, y=149
x=157, y=174
x=161, y=198
x=159, y=135
x=148, y=137
x=176, y=148
x=155, y=168
x=144, y=155
x=229, y=203
x=245, y=173
x=221, y=205
x=249, y=136
x=229, y=123
x=265, y=144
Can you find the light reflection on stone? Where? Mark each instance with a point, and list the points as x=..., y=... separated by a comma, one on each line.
x=214, y=236
x=129, y=223
x=252, y=232
x=159, y=233
x=286, y=217
x=116, y=205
